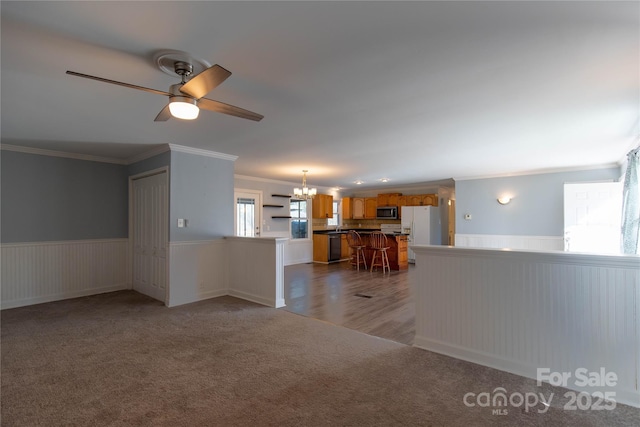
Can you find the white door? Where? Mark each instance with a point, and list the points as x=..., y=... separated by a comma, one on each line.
x=150, y=228
x=248, y=205
x=592, y=214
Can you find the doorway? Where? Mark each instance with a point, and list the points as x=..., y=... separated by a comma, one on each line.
x=248, y=205
x=149, y=202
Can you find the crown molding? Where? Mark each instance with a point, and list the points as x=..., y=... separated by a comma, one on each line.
x=202, y=152
x=64, y=154
x=540, y=172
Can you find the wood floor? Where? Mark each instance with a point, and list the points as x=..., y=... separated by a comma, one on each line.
x=370, y=302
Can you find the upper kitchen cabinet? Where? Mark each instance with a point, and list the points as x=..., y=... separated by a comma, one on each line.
x=389, y=199
x=358, y=207
x=421, y=200
x=322, y=206
x=370, y=207
x=429, y=200
x=414, y=200
x=347, y=208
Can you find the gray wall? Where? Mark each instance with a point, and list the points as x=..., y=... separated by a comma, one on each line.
x=155, y=162
x=536, y=209
x=201, y=191
x=53, y=198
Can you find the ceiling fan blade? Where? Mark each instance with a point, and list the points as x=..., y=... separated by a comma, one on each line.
x=163, y=115
x=203, y=83
x=100, y=79
x=221, y=107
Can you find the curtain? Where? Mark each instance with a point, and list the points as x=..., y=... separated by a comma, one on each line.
x=631, y=205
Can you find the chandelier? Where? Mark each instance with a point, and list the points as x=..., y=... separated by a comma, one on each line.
x=304, y=193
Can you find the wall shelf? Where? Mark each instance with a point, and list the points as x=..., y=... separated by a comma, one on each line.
x=281, y=195
x=267, y=205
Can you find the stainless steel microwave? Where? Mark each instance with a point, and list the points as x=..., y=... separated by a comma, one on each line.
x=387, y=212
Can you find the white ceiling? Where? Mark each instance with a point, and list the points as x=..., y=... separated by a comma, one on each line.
x=409, y=91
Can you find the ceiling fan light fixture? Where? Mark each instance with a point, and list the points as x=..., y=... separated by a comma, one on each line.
x=184, y=108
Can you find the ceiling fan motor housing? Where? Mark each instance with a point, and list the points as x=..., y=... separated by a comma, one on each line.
x=183, y=69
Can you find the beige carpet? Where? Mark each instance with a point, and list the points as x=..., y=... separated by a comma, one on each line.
x=122, y=359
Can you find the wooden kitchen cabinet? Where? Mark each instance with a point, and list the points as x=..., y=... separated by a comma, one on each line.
x=388, y=199
x=370, y=207
x=322, y=206
x=358, y=207
x=429, y=200
x=414, y=200
x=347, y=208
x=345, y=250
x=422, y=200
x=402, y=201
x=320, y=248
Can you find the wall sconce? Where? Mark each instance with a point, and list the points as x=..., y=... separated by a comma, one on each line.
x=504, y=200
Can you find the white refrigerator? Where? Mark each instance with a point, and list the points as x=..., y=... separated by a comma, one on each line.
x=423, y=225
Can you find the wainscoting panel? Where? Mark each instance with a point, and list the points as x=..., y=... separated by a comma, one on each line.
x=296, y=251
x=256, y=269
x=498, y=241
x=197, y=271
x=38, y=272
x=518, y=311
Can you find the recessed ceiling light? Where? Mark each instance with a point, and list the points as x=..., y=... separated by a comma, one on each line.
x=385, y=180
x=358, y=182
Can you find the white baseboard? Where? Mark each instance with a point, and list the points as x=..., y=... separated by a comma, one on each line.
x=200, y=297
x=63, y=296
x=253, y=298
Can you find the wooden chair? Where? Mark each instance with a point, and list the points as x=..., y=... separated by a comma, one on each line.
x=378, y=242
x=357, y=249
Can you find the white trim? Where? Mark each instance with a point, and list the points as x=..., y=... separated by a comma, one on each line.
x=540, y=256
x=62, y=296
x=202, y=152
x=518, y=242
x=197, y=242
x=269, y=302
x=52, y=153
x=128, y=161
x=540, y=171
x=146, y=174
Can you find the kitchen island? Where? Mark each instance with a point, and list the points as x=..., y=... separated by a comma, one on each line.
x=397, y=252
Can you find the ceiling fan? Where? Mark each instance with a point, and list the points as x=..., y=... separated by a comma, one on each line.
x=187, y=97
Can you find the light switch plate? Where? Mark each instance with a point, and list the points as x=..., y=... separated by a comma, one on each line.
x=180, y=222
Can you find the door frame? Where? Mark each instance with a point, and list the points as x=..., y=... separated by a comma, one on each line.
x=258, y=210
x=146, y=174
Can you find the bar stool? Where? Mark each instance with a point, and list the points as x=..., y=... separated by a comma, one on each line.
x=378, y=242
x=357, y=249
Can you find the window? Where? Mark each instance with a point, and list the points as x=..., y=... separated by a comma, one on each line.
x=299, y=222
x=245, y=217
x=335, y=220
